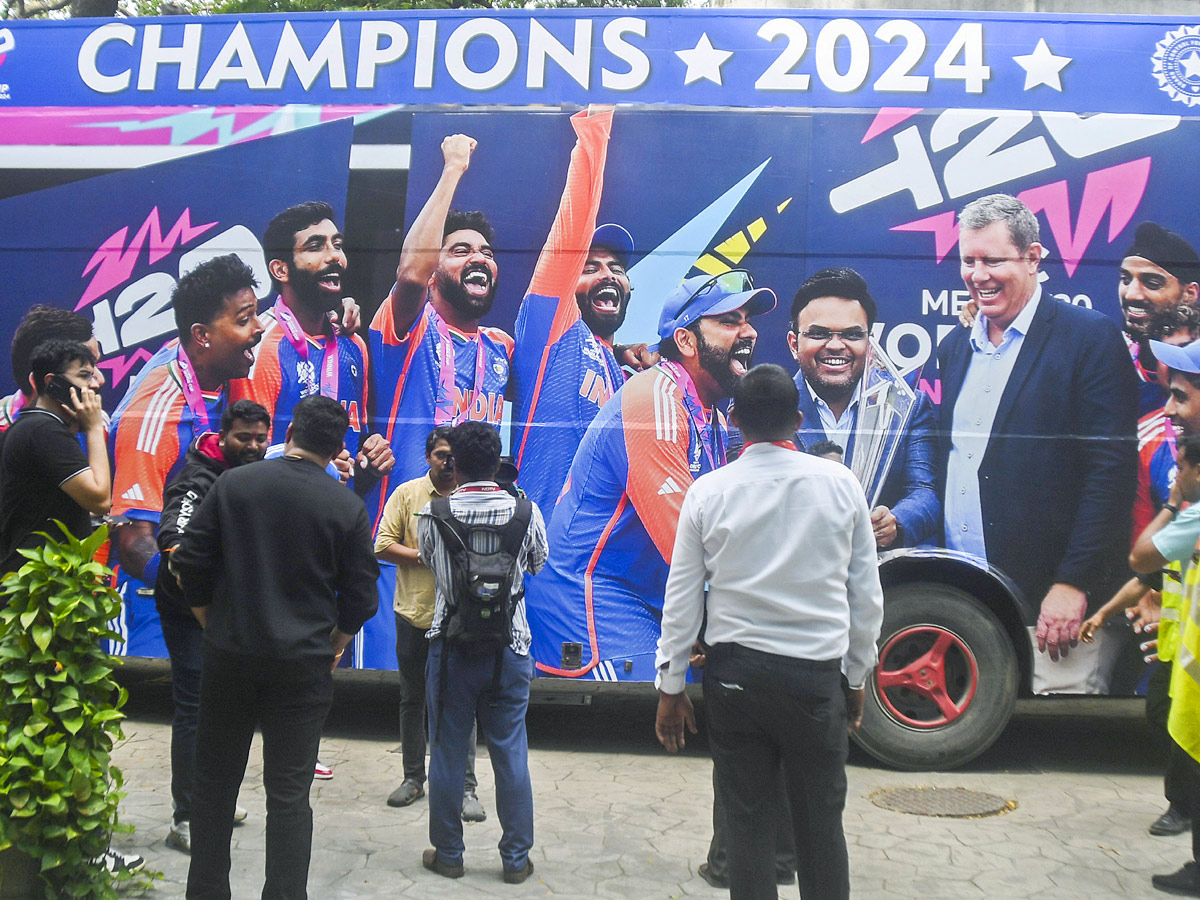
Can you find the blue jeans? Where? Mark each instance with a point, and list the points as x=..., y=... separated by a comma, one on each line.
x=185, y=640
x=502, y=718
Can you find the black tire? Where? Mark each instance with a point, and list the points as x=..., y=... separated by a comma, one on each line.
x=920, y=727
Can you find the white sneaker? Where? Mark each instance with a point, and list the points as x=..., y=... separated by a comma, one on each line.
x=116, y=862
x=239, y=814
x=322, y=772
x=180, y=837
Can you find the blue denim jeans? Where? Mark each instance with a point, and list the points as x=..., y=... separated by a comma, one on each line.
x=502, y=717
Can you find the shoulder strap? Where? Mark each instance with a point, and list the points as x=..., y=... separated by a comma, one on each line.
x=516, y=528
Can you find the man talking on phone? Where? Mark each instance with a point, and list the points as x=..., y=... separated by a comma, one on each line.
x=44, y=472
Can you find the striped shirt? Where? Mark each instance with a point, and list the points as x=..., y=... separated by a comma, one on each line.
x=482, y=503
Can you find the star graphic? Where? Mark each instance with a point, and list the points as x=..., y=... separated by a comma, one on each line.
x=1042, y=66
x=703, y=61
x=1191, y=65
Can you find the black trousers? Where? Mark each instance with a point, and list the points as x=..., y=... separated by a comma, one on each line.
x=185, y=645
x=289, y=700
x=781, y=816
x=765, y=712
x=1158, y=709
x=412, y=650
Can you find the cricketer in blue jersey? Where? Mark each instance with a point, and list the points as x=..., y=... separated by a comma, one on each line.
x=564, y=367
x=431, y=361
x=302, y=351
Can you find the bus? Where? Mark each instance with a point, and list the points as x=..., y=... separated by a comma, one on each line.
x=776, y=142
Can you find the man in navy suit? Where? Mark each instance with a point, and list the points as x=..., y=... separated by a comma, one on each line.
x=1037, y=425
x=831, y=321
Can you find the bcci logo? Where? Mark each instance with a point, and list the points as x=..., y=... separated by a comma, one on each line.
x=1177, y=64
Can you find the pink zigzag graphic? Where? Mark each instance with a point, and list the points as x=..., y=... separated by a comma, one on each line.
x=1119, y=187
x=114, y=263
x=120, y=366
x=889, y=117
x=944, y=227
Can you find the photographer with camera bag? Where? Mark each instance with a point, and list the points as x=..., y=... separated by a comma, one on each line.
x=480, y=543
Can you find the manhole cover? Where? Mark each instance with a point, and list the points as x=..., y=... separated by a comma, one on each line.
x=931, y=801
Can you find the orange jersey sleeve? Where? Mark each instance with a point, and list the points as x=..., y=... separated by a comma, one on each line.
x=656, y=440
x=570, y=237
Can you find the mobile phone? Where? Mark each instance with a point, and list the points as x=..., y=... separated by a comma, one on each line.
x=59, y=388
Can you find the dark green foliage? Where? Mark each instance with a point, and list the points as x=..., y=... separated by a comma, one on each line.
x=59, y=715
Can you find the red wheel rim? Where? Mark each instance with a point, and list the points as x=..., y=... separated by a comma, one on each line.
x=926, y=677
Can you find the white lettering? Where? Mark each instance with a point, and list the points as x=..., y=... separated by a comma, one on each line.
x=371, y=56
x=90, y=49
x=237, y=46
x=911, y=171
x=638, y=62
x=290, y=53
x=506, y=55
x=154, y=54
x=426, y=47
x=940, y=303
x=909, y=361
x=543, y=46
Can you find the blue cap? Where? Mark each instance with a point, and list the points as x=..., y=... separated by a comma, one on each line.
x=712, y=295
x=615, y=238
x=1183, y=359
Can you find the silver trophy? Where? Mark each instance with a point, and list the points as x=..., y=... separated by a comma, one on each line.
x=884, y=409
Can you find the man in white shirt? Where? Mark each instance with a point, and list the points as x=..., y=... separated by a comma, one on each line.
x=786, y=619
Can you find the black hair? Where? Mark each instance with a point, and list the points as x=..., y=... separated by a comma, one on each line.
x=840, y=282
x=1192, y=378
x=200, y=295
x=473, y=219
x=669, y=350
x=1189, y=448
x=476, y=449
x=822, y=448
x=279, y=240
x=441, y=433
x=246, y=411
x=765, y=402
x=319, y=425
x=39, y=325
x=55, y=356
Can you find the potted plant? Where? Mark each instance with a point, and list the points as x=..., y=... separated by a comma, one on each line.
x=59, y=717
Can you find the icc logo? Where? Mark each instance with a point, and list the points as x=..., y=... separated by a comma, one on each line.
x=1177, y=64
x=6, y=42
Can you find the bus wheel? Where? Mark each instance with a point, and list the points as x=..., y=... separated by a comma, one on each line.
x=946, y=682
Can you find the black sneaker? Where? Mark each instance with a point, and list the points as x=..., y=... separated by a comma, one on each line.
x=1185, y=882
x=116, y=862
x=1173, y=821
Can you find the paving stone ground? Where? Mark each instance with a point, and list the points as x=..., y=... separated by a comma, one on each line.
x=616, y=817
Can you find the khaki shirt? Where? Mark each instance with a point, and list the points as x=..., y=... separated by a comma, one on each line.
x=398, y=525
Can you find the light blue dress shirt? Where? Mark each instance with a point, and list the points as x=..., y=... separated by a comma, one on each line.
x=974, y=414
x=837, y=430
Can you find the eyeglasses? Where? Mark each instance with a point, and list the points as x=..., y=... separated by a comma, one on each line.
x=735, y=281
x=824, y=335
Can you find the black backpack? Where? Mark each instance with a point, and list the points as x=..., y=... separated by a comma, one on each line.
x=483, y=559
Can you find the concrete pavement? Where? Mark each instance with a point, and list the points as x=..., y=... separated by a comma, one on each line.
x=616, y=817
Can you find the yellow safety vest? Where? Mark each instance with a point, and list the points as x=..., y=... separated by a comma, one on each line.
x=1172, y=603
x=1184, y=720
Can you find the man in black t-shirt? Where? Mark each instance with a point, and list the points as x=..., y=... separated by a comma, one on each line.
x=44, y=473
